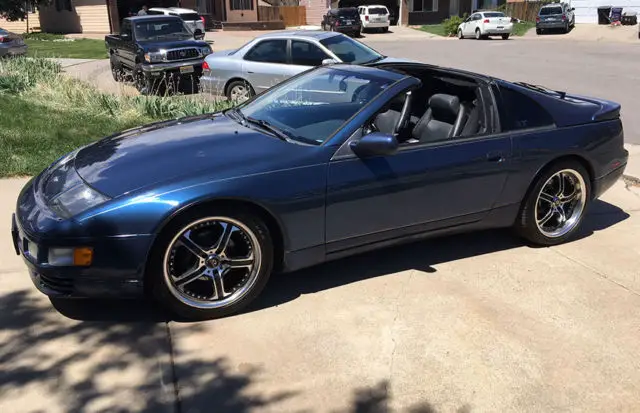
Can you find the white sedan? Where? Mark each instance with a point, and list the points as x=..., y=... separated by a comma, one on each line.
x=484, y=24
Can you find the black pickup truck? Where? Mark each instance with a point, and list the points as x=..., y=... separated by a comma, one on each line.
x=157, y=51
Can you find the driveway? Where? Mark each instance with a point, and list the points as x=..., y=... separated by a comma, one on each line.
x=468, y=323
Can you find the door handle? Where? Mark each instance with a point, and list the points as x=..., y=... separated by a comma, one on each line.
x=249, y=71
x=496, y=157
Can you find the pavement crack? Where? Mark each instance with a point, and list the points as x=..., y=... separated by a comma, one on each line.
x=394, y=323
x=597, y=272
x=177, y=404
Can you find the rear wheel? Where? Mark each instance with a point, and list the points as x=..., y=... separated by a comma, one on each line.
x=538, y=31
x=211, y=264
x=385, y=30
x=239, y=91
x=556, y=204
x=478, y=34
x=566, y=28
x=505, y=36
x=116, y=69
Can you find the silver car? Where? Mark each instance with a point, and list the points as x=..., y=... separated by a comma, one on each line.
x=11, y=44
x=272, y=58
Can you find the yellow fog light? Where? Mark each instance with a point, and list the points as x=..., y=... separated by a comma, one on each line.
x=82, y=257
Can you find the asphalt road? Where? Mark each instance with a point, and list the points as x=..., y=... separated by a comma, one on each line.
x=601, y=69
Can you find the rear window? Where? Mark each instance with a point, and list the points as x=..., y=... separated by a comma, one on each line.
x=545, y=11
x=496, y=14
x=154, y=12
x=189, y=16
x=378, y=10
x=348, y=12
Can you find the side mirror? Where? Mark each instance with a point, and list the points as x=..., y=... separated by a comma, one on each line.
x=198, y=34
x=374, y=144
x=125, y=36
x=573, y=9
x=329, y=62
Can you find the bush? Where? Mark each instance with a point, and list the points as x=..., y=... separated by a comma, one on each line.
x=451, y=24
x=43, y=36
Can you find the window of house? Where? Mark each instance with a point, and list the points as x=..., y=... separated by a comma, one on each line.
x=306, y=54
x=241, y=4
x=425, y=5
x=519, y=111
x=268, y=51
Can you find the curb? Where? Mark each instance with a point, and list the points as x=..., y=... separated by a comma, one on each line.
x=632, y=171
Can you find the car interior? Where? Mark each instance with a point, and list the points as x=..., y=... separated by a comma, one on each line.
x=444, y=107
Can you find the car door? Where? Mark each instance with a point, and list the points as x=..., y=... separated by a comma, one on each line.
x=266, y=64
x=422, y=187
x=470, y=26
x=126, y=50
x=306, y=55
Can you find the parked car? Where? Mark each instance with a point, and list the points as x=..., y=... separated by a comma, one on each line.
x=481, y=25
x=555, y=16
x=344, y=20
x=374, y=17
x=338, y=160
x=191, y=17
x=156, y=51
x=269, y=59
x=11, y=44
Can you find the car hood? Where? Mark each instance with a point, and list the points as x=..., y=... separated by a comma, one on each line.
x=154, y=46
x=209, y=145
x=222, y=53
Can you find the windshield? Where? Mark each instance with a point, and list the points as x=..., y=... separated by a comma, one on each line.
x=496, y=14
x=312, y=107
x=545, y=11
x=349, y=50
x=158, y=29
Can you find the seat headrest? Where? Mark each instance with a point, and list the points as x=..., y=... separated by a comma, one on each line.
x=444, y=107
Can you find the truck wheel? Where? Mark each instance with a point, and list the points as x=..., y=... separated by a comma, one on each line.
x=116, y=69
x=141, y=82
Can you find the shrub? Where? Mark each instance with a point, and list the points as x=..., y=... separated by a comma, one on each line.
x=42, y=36
x=451, y=24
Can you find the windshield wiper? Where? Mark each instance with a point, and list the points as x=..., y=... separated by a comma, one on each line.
x=268, y=126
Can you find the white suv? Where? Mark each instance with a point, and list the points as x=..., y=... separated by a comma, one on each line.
x=374, y=17
x=191, y=17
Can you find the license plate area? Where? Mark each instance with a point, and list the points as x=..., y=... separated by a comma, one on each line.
x=186, y=69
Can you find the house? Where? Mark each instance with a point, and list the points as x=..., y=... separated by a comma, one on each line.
x=587, y=10
x=104, y=16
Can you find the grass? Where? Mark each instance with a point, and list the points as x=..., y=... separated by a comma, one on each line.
x=46, y=114
x=437, y=29
x=519, y=29
x=78, y=48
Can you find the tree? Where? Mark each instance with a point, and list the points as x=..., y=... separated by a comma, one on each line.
x=13, y=10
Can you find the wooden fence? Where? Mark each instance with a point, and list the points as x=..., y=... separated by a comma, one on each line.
x=525, y=10
x=290, y=15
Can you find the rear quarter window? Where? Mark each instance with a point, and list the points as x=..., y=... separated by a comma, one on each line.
x=518, y=111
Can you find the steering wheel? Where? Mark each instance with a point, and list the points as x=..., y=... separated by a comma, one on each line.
x=404, y=115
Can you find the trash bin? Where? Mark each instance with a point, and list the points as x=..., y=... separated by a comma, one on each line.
x=603, y=14
x=630, y=18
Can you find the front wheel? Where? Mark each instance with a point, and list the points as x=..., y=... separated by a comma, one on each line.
x=211, y=264
x=555, y=205
x=505, y=36
x=460, y=36
x=143, y=84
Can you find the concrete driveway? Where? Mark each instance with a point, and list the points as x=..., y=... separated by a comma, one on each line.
x=470, y=323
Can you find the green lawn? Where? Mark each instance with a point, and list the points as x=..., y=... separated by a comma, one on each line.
x=519, y=29
x=437, y=29
x=79, y=48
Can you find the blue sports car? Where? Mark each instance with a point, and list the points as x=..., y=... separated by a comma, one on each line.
x=198, y=212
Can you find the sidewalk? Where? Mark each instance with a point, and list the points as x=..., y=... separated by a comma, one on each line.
x=633, y=167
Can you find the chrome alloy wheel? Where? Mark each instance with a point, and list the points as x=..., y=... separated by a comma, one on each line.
x=239, y=93
x=560, y=203
x=212, y=263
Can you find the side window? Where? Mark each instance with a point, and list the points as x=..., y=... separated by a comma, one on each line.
x=306, y=54
x=268, y=51
x=126, y=28
x=518, y=111
x=477, y=17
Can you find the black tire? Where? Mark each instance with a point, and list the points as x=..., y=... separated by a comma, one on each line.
x=385, y=30
x=538, y=31
x=460, y=35
x=142, y=83
x=478, y=35
x=116, y=69
x=566, y=28
x=527, y=226
x=237, y=83
x=158, y=278
x=505, y=36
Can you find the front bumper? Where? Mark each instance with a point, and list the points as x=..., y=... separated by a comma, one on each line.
x=13, y=51
x=119, y=260
x=173, y=66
